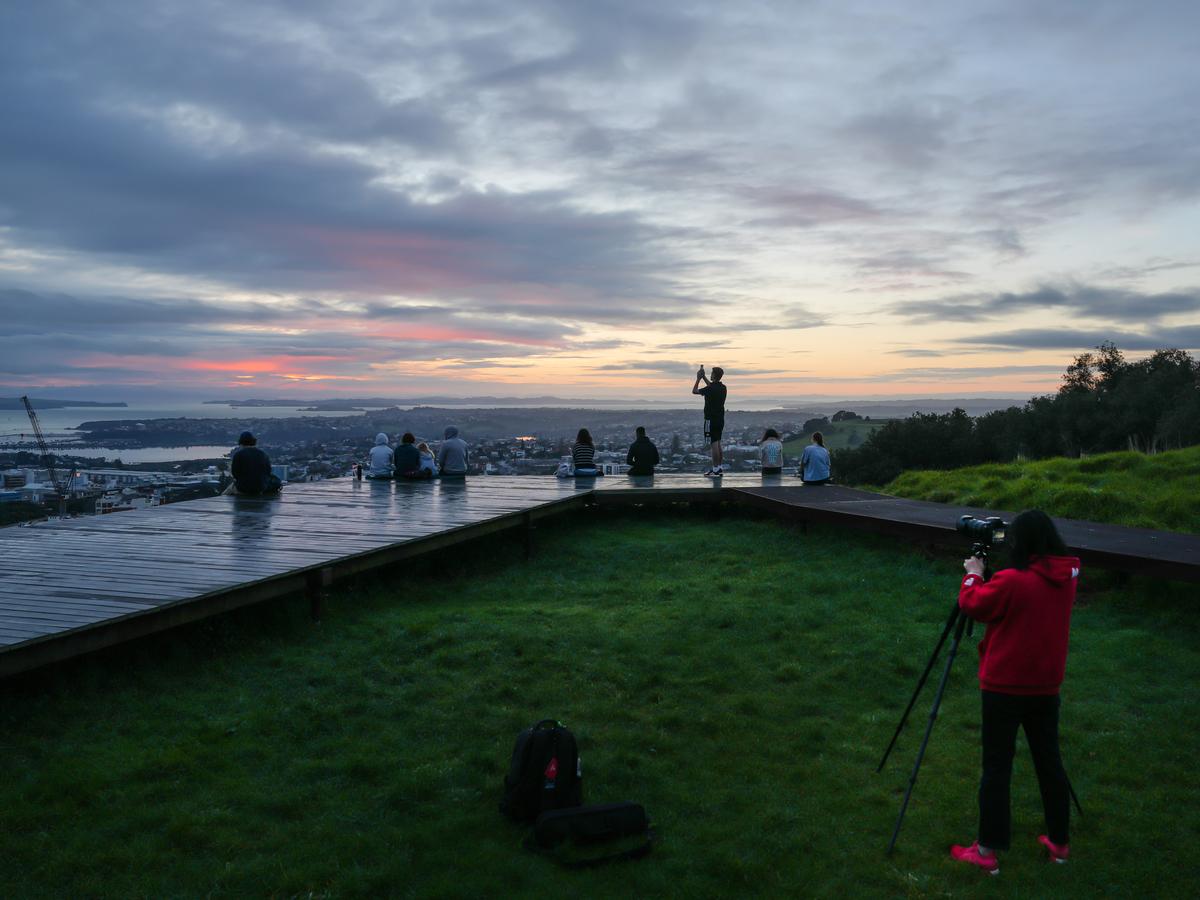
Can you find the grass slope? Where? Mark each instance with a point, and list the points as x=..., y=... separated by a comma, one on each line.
x=1159, y=491
x=837, y=435
x=740, y=678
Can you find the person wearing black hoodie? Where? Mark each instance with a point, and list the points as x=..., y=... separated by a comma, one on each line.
x=1022, y=661
x=251, y=469
x=408, y=458
x=643, y=455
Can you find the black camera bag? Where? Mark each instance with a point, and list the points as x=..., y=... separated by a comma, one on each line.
x=593, y=824
x=544, y=773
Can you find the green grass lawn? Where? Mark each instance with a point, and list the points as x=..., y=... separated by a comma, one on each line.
x=1158, y=491
x=837, y=435
x=738, y=677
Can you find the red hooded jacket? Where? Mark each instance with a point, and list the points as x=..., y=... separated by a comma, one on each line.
x=1028, y=617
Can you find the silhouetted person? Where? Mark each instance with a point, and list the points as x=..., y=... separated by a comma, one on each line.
x=814, y=462
x=452, y=457
x=251, y=468
x=408, y=459
x=714, y=414
x=643, y=455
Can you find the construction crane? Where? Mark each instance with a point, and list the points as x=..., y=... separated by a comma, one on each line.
x=62, y=483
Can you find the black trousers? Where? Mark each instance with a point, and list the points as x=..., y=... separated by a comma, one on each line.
x=1038, y=715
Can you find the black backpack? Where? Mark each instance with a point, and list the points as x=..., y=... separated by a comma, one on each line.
x=544, y=773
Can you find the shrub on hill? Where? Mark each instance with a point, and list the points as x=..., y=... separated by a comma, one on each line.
x=1105, y=404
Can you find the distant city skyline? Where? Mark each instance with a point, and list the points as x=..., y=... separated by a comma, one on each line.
x=828, y=199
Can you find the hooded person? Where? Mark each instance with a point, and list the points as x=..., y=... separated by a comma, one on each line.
x=643, y=455
x=452, y=457
x=380, y=458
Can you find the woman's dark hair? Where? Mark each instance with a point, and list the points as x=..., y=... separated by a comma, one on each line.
x=770, y=433
x=408, y=438
x=1032, y=534
x=584, y=437
x=818, y=438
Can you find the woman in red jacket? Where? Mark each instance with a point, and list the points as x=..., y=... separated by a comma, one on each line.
x=1022, y=659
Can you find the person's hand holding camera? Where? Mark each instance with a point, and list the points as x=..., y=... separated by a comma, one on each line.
x=973, y=565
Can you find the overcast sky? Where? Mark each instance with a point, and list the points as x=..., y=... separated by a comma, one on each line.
x=591, y=198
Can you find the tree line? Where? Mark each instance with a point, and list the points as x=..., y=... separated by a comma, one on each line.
x=1105, y=403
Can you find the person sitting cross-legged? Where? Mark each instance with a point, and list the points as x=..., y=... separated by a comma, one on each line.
x=583, y=454
x=251, y=469
x=770, y=452
x=452, y=457
x=408, y=459
x=379, y=459
x=814, y=462
x=642, y=456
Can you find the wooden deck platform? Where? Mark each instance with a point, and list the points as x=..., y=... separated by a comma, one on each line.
x=82, y=584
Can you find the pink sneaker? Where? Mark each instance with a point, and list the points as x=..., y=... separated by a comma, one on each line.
x=972, y=855
x=1058, y=852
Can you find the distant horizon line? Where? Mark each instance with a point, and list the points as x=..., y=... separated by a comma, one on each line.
x=380, y=402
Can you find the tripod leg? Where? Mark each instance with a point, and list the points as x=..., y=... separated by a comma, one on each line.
x=1074, y=796
x=937, y=701
x=954, y=614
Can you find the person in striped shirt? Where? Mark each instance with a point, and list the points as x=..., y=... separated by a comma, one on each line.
x=583, y=454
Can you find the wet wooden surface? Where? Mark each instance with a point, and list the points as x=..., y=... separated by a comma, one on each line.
x=63, y=577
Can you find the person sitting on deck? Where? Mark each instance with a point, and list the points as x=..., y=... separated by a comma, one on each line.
x=643, y=455
x=251, y=469
x=428, y=462
x=452, y=457
x=814, y=462
x=408, y=459
x=379, y=459
x=583, y=455
x=770, y=452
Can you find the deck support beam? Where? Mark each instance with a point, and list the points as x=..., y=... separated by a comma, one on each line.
x=315, y=583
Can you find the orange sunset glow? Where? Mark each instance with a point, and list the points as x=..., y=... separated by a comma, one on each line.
x=825, y=201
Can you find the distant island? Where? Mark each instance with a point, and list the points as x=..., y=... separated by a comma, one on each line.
x=40, y=403
x=349, y=403
x=878, y=408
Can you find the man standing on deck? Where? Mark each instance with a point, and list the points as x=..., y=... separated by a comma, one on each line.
x=714, y=392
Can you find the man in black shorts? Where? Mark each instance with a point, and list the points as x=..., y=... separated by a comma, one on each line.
x=714, y=413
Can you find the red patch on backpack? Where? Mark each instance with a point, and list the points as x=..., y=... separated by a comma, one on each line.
x=552, y=768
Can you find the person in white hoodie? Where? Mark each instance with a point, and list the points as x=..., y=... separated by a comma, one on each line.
x=380, y=458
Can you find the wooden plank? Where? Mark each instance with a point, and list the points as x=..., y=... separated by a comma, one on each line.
x=147, y=547
x=120, y=576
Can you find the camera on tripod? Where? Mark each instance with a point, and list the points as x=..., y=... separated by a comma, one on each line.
x=982, y=533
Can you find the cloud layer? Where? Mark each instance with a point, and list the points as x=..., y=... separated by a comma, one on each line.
x=211, y=192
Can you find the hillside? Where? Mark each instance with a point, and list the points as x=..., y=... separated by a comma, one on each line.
x=1155, y=491
x=838, y=435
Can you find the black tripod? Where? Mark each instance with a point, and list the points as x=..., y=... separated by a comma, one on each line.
x=957, y=622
